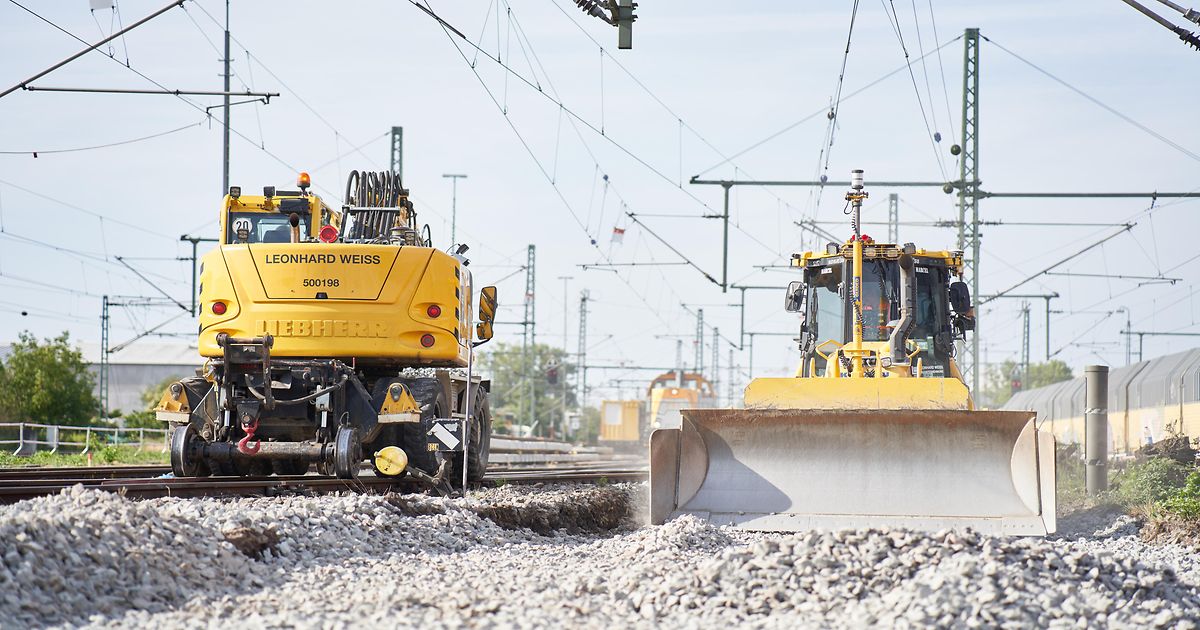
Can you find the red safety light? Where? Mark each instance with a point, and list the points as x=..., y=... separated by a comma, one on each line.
x=328, y=234
x=434, y=311
x=303, y=181
x=218, y=308
x=427, y=340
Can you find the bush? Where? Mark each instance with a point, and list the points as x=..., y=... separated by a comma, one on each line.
x=110, y=453
x=46, y=381
x=1185, y=502
x=1154, y=481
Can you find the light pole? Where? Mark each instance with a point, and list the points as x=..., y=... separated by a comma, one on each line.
x=225, y=106
x=1128, y=336
x=562, y=376
x=453, y=203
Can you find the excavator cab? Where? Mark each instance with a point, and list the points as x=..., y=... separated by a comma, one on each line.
x=876, y=427
x=826, y=314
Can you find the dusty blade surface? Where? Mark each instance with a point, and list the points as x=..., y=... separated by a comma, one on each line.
x=793, y=469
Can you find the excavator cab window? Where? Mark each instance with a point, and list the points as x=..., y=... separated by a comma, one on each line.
x=262, y=227
x=824, y=316
x=828, y=311
x=880, y=298
x=932, y=318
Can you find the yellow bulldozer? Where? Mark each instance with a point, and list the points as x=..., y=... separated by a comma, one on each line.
x=877, y=427
x=332, y=337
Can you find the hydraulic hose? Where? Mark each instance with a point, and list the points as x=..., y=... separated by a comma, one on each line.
x=303, y=399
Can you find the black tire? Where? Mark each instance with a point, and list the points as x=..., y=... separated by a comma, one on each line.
x=479, y=445
x=413, y=437
x=284, y=467
x=184, y=462
x=347, y=453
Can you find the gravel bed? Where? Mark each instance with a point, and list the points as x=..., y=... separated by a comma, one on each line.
x=554, y=556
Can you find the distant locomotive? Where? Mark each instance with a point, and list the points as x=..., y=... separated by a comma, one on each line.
x=626, y=424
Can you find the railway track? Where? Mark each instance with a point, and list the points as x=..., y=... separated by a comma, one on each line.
x=514, y=460
x=153, y=481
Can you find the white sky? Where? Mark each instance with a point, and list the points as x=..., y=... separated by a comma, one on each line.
x=728, y=74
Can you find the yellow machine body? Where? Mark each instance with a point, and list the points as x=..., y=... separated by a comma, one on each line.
x=333, y=337
x=856, y=393
x=370, y=302
x=873, y=430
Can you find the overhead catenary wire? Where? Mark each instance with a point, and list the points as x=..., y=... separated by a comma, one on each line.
x=93, y=256
x=1095, y=101
x=666, y=244
x=90, y=48
x=189, y=102
x=823, y=111
x=1059, y=263
x=37, y=152
x=924, y=66
x=355, y=148
x=1130, y=222
x=894, y=19
x=573, y=115
x=941, y=71
x=450, y=34
x=683, y=124
x=825, y=154
x=1187, y=36
x=1086, y=331
x=77, y=208
x=678, y=118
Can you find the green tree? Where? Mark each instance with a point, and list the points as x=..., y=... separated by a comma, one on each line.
x=515, y=374
x=589, y=426
x=144, y=418
x=1005, y=379
x=46, y=381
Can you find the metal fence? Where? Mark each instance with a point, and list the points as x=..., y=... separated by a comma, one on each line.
x=28, y=437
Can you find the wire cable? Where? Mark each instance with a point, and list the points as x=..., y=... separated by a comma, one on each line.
x=191, y=103
x=823, y=111
x=894, y=19
x=942, y=72
x=98, y=215
x=1095, y=101
x=36, y=153
x=450, y=33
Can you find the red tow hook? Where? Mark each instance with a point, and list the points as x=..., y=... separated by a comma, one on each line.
x=243, y=444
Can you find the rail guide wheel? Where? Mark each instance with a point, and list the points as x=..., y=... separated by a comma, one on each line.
x=347, y=453
x=185, y=461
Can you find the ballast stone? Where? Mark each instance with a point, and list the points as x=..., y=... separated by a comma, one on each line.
x=96, y=559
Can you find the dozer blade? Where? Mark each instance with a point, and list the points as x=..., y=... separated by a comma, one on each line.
x=800, y=469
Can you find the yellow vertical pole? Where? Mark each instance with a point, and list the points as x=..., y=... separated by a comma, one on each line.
x=857, y=358
x=855, y=197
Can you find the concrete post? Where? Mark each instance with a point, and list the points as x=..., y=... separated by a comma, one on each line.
x=1095, y=444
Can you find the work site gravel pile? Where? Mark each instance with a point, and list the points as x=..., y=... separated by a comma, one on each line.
x=553, y=556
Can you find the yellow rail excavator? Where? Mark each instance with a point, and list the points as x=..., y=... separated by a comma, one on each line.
x=876, y=428
x=331, y=337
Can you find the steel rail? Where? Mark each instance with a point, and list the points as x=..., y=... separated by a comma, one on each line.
x=36, y=473
x=15, y=488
